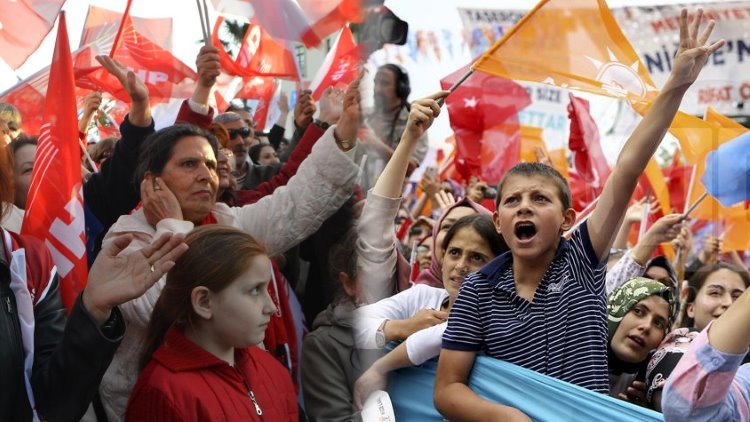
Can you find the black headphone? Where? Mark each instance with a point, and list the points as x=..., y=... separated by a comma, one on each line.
x=403, y=86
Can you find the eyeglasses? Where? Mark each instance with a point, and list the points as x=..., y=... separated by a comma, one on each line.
x=243, y=132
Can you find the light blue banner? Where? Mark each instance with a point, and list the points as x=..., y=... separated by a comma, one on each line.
x=542, y=398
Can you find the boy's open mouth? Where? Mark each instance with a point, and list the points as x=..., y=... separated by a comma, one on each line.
x=525, y=230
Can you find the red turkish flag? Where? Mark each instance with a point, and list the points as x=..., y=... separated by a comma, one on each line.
x=23, y=26
x=588, y=157
x=54, y=211
x=145, y=48
x=483, y=112
x=259, y=55
x=341, y=65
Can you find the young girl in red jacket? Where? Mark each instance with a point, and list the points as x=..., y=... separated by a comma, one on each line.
x=201, y=360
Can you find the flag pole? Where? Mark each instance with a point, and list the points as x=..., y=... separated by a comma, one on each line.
x=679, y=264
x=455, y=85
x=116, y=43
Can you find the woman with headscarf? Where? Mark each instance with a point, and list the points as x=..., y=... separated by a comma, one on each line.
x=639, y=314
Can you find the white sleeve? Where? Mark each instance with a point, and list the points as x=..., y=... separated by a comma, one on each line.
x=376, y=247
x=625, y=269
x=367, y=319
x=425, y=344
x=323, y=182
x=403, y=305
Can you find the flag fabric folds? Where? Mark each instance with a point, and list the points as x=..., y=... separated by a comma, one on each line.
x=483, y=113
x=584, y=142
x=23, y=26
x=259, y=55
x=54, y=211
x=145, y=48
x=340, y=67
x=573, y=44
x=728, y=171
x=306, y=21
x=411, y=391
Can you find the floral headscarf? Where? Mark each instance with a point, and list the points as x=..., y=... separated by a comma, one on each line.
x=625, y=297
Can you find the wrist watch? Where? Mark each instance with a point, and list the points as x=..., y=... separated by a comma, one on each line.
x=320, y=123
x=343, y=144
x=380, y=335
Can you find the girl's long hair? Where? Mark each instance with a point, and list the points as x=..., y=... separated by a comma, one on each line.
x=216, y=257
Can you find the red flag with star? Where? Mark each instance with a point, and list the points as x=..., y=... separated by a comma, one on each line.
x=483, y=112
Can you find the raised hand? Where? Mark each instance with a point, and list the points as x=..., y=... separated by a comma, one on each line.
x=331, y=105
x=304, y=109
x=423, y=112
x=140, y=110
x=136, y=89
x=693, y=51
x=115, y=279
x=283, y=103
x=208, y=65
x=351, y=113
x=91, y=104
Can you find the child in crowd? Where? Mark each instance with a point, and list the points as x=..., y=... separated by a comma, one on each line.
x=201, y=357
x=710, y=292
x=708, y=383
x=639, y=314
x=543, y=305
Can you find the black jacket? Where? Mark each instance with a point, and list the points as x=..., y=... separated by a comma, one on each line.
x=112, y=191
x=69, y=359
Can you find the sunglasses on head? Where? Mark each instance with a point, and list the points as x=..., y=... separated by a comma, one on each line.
x=243, y=132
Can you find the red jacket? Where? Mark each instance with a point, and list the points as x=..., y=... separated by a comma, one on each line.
x=183, y=382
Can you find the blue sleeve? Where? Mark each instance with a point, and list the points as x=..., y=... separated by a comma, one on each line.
x=465, y=331
x=587, y=269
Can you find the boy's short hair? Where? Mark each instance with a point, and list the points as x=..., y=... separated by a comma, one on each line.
x=537, y=169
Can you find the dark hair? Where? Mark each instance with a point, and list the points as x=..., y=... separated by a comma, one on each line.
x=216, y=257
x=403, y=86
x=254, y=152
x=97, y=150
x=21, y=142
x=696, y=282
x=158, y=147
x=342, y=256
x=537, y=169
x=661, y=261
x=483, y=225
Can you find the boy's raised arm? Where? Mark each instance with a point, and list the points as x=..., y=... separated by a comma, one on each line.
x=691, y=56
x=456, y=401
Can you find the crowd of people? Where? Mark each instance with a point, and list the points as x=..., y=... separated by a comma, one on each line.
x=240, y=275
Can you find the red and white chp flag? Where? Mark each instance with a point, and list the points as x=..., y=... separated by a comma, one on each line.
x=341, y=65
x=54, y=211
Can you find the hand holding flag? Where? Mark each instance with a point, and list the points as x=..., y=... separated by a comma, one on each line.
x=208, y=65
x=423, y=112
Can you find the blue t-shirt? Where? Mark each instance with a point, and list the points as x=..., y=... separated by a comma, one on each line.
x=562, y=333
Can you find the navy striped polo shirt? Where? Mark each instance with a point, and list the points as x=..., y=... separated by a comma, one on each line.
x=562, y=333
